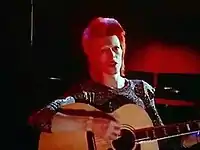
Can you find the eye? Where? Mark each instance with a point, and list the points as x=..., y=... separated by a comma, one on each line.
x=116, y=48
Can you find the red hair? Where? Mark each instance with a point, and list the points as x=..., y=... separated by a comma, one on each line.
x=101, y=27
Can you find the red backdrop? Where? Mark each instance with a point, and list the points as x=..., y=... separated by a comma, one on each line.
x=161, y=58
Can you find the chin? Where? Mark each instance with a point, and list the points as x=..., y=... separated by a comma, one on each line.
x=112, y=71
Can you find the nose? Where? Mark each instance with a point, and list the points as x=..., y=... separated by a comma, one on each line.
x=111, y=53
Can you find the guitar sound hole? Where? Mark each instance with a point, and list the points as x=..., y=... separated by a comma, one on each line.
x=125, y=142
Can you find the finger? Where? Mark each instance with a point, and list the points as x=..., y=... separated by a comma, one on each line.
x=118, y=132
x=112, y=137
x=115, y=123
x=117, y=127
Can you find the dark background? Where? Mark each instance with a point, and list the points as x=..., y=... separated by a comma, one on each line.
x=56, y=50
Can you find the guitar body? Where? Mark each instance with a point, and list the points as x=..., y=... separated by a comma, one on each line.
x=130, y=116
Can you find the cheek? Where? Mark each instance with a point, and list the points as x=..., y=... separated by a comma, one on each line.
x=103, y=58
x=120, y=54
x=93, y=56
x=102, y=62
x=96, y=59
x=119, y=57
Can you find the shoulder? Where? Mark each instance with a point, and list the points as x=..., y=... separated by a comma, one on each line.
x=142, y=84
x=142, y=88
x=147, y=87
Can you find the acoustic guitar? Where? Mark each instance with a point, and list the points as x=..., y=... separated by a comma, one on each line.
x=138, y=132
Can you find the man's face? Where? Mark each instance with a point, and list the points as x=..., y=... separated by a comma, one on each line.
x=107, y=54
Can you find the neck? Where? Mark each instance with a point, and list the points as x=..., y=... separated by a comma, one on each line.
x=113, y=81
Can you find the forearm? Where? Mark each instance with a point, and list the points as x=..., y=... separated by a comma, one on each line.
x=42, y=119
x=62, y=122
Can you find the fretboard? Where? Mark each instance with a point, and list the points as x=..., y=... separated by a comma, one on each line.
x=165, y=132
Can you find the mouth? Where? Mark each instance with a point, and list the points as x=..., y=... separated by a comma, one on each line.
x=112, y=63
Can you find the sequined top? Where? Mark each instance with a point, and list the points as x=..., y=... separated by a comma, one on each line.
x=103, y=98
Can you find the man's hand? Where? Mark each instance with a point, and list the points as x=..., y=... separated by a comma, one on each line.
x=190, y=140
x=105, y=128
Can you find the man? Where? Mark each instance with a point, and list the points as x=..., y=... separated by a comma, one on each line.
x=104, y=45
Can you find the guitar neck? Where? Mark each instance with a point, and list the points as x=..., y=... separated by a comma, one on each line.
x=165, y=132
